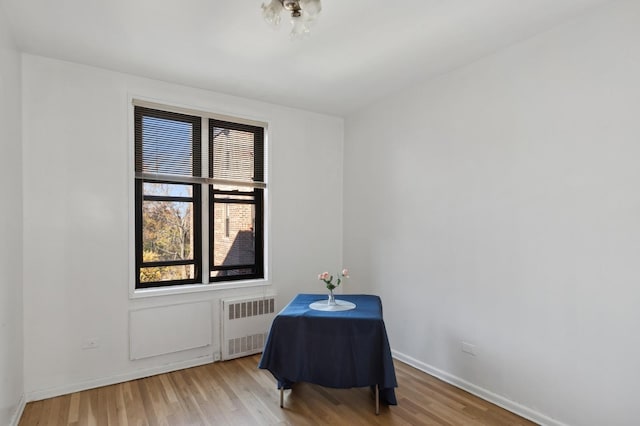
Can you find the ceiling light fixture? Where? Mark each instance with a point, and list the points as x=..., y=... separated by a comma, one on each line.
x=303, y=13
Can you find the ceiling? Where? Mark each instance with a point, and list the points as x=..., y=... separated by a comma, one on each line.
x=358, y=52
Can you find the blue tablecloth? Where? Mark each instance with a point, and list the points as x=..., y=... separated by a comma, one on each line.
x=343, y=349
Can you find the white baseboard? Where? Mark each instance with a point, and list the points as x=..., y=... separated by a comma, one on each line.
x=119, y=378
x=485, y=394
x=18, y=414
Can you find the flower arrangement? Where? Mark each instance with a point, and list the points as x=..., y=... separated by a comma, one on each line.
x=328, y=279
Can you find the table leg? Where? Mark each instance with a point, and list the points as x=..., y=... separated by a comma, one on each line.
x=282, y=397
x=377, y=400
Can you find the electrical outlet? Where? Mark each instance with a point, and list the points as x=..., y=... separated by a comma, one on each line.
x=216, y=356
x=90, y=343
x=468, y=348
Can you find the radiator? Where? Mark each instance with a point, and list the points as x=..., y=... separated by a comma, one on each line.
x=245, y=324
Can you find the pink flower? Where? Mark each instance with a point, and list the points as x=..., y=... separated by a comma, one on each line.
x=323, y=276
x=345, y=273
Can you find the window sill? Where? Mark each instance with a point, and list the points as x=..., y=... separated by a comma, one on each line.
x=195, y=288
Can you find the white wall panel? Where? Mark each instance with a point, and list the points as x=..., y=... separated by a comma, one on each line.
x=499, y=205
x=11, y=350
x=78, y=194
x=162, y=330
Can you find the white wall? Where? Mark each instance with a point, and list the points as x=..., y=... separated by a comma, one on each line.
x=77, y=196
x=11, y=380
x=500, y=205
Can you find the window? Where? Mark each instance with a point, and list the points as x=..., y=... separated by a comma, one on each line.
x=235, y=218
x=172, y=185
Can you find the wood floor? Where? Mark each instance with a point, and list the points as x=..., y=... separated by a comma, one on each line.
x=238, y=393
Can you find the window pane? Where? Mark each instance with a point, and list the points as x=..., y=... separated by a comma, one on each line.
x=167, y=230
x=233, y=234
x=232, y=272
x=168, y=189
x=167, y=146
x=166, y=273
x=233, y=156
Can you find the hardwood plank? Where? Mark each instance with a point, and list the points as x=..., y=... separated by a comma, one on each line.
x=74, y=409
x=238, y=393
x=31, y=414
x=121, y=407
x=63, y=411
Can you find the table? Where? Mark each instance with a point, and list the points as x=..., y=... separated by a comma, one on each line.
x=343, y=349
